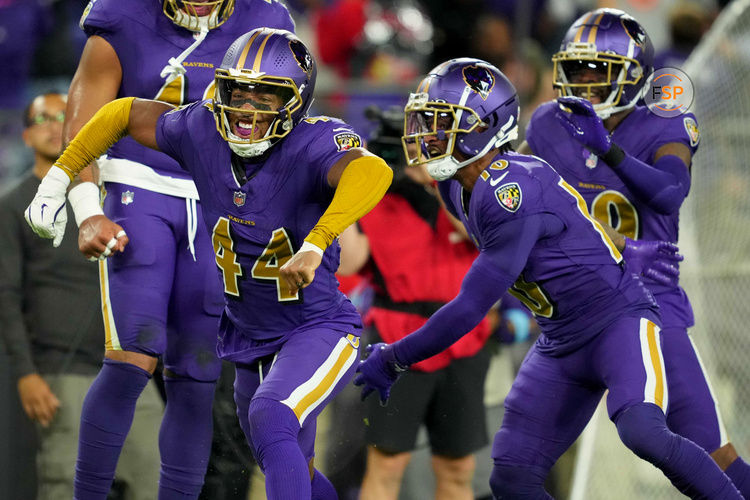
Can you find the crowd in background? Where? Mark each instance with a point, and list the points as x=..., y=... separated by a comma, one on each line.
x=368, y=51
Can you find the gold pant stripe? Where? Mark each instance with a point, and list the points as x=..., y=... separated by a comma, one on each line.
x=305, y=398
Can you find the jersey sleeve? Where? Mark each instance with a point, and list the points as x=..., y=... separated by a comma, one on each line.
x=682, y=129
x=539, y=122
x=172, y=134
x=513, y=219
x=283, y=19
x=330, y=139
x=100, y=17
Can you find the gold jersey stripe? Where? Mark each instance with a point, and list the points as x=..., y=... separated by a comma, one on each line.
x=613, y=251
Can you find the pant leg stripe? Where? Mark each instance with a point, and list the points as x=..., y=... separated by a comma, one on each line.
x=112, y=341
x=655, y=390
x=306, y=398
x=723, y=437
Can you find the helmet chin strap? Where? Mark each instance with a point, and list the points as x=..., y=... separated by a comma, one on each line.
x=444, y=168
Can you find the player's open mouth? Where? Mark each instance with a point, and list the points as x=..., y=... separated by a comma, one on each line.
x=244, y=129
x=201, y=10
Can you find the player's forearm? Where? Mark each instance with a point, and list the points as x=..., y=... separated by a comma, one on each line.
x=662, y=187
x=361, y=186
x=617, y=238
x=481, y=289
x=107, y=126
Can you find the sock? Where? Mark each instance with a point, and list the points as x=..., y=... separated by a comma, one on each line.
x=322, y=489
x=185, y=437
x=274, y=429
x=106, y=417
x=739, y=472
x=691, y=470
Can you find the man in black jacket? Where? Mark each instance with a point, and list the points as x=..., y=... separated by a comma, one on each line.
x=52, y=326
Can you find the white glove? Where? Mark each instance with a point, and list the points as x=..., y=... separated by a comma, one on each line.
x=46, y=214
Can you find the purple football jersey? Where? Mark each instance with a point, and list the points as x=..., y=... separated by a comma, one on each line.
x=573, y=281
x=640, y=134
x=120, y=22
x=257, y=225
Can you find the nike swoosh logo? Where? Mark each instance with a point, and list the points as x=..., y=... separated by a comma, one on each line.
x=495, y=182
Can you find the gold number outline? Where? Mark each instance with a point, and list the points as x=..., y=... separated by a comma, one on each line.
x=534, y=297
x=266, y=267
x=226, y=258
x=628, y=220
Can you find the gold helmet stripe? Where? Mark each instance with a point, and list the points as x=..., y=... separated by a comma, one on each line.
x=594, y=29
x=579, y=34
x=259, y=54
x=424, y=85
x=243, y=56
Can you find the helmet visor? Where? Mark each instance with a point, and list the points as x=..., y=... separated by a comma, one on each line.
x=596, y=76
x=430, y=128
x=251, y=109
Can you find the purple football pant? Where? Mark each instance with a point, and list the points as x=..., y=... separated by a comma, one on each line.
x=160, y=301
x=157, y=299
x=693, y=411
x=278, y=409
x=553, y=398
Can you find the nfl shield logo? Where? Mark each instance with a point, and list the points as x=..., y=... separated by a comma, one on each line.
x=592, y=160
x=239, y=198
x=127, y=197
x=509, y=196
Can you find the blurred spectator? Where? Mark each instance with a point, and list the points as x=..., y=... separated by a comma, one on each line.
x=23, y=23
x=687, y=23
x=413, y=272
x=382, y=41
x=522, y=61
x=52, y=326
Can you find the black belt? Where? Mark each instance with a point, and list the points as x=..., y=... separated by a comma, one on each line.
x=420, y=308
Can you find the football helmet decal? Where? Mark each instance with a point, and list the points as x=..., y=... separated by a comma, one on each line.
x=264, y=87
x=607, y=57
x=467, y=102
x=479, y=79
x=197, y=15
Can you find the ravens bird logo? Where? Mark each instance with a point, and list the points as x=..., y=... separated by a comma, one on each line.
x=303, y=57
x=479, y=79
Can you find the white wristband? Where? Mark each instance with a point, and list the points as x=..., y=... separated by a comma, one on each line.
x=307, y=246
x=84, y=200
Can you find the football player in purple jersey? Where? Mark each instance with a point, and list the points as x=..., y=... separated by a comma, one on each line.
x=599, y=324
x=632, y=168
x=160, y=298
x=277, y=187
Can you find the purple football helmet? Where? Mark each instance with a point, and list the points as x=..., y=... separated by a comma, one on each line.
x=197, y=15
x=265, y=61
x=612, y=45
x=468, y=102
